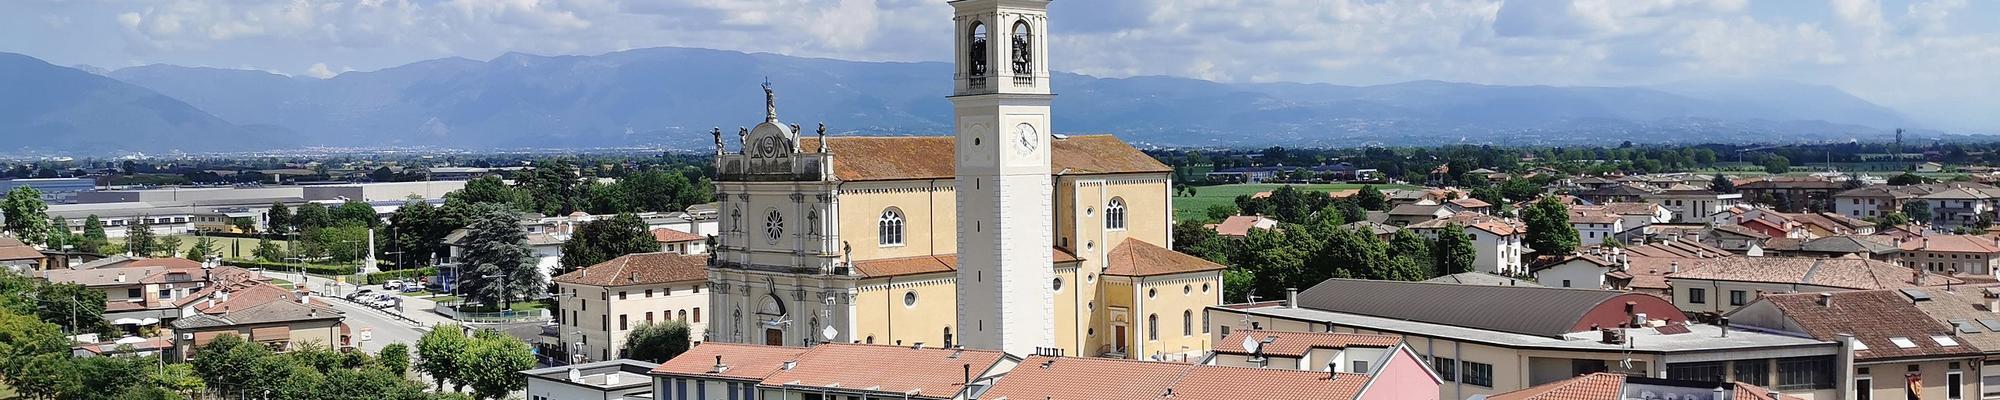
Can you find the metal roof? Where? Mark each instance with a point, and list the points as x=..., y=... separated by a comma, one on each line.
x=1540, y=311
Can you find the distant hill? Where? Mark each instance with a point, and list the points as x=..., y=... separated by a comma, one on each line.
x=45, y=107
x=672, y=96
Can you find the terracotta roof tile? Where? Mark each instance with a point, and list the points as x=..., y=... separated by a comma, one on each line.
x=1229, y=383
x=1240, y=225
x=664, y=235
x=1482, y=222
x=745, y=361
x=1953, y=244
x=913, y=265
x=641, y=269
x=1845, y=273
x=928, y=372
x=1040, y=377
x=1135, y=257
x=1295, y=344
x=18, y=251
x=866, y=158
x=1874, y=317
x=1597, y=386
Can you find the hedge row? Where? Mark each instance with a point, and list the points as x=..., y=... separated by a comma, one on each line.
x=408, y=274
x=315, y=269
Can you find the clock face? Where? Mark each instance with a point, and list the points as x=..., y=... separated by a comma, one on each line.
x=774, y=226
x=1026, y=138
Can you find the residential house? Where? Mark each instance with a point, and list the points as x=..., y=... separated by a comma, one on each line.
x=1615, y=193
x=1593, y=227
x=1406, y=214
x=677, y=242
x=1633, y=214
x=148, y=291
x=1482, y=278
x=1952, y=254
x=620, y=379
x=1960, y=206
x=1468, y=204
x=1237, y=226
x=1736, y=238
x=1897, y=350
x=1868, y=247
x=1791, y=194
x=600, y=304
x=1718, y=286
x=1486, y=340
x=1380, y=230
x=1498, y=240
x=1878, y=200
x=546, y=245
x=1609, y=386
x=19, y=257
x=1971, y=312
x=1693, y=205
x=1595, y=268
x=260, y=313
x=1831, y=224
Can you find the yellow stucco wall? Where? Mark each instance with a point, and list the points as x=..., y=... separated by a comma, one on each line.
x=930, y=217
x=883, y=315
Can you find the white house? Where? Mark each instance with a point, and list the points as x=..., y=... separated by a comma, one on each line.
x=599, y=305
x=1691, y=205
x=1593, y=227
x=1498, y=240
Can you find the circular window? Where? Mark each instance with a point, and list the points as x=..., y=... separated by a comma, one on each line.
x=1186, y=289
x=1089, y=211
x=1090, y=278
x=1151, y=293
x=1090, y=245
x=774, y=226
x=1204, y=288
x=1092, y=332
x=1058, y=284
x=1090, y=305
x=910, y=298
x=975, y=141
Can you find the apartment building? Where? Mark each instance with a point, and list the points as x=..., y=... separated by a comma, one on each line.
x=600, y=304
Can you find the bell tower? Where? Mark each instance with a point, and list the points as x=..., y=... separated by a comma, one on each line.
x=1005, y=238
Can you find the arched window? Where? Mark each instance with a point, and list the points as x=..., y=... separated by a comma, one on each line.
x=683, y=316
x=1023, y=49
x=976, y=51
x=1187, y=323
x=1114, y=214
x=890, y=230
x=1153, y=327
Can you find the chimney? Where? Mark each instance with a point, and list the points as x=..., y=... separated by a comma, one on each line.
x=121, y=277
x=968, y=374
x=719, y=366
x=1719, y=394
x=1724, y=323
x=1674, y=267
x=1291, y=297
x=1332, y=371
x=1826, y=299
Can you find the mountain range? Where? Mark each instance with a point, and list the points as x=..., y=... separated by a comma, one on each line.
x=671, y=97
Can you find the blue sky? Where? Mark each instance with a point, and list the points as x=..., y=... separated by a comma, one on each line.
x=1933, y=59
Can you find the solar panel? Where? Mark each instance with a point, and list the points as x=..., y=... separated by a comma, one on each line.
x=1916, y=294
x=1992, y=325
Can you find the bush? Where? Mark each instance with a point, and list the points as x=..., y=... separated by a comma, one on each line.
x=316, y=269
x=408, y=274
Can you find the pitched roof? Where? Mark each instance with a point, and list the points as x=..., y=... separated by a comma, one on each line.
x=744, y=361
x=664, y=235
x=1135, y=257
x=1297, y=344
x=935, y=263
x=1376, y=228
x=1606, y=386
x=1954, y=244
x=1229, y=383
x=1965, y=309
x=1845, y=273
x=255, y=302
x=1883, y=320
x=1483, y=222
x=1847, y=244
x=1495, y=308
x=875, y=158
x=1239, y=225
x=1415, y=209
x=640, y=269
x=928, y=372
x=1469, y=202
x=12, y=249
x=1042, y=377
x=1481, y=278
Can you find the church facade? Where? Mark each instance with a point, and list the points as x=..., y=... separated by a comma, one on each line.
x=1003, y=236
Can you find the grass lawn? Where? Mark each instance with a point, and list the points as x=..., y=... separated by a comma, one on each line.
x=518, y=306
x=281, y=283
x=230, y=247
x=1190, y=208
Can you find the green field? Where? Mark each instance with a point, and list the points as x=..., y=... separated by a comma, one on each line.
x=230, y=247
x=1190, y=208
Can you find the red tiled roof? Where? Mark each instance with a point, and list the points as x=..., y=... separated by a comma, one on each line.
x=11, y=250
x=913, y=265
x=745, y=361
x=1234, y=383
x=1953, y=244
x=1608, y=386
x=641, y=269
x=1483, y=222
x=1237, y=225
x=1041, y=377
x=1135, y=257
x=928, y=372
x=1845, y=273
x=1873, y=317
x=664, y=235
x=1295, y=344
x=858, y=158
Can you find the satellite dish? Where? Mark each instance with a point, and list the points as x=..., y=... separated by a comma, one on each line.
x=829, y=333
x=1249, y=344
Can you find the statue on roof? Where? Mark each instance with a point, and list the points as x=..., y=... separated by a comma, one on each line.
x=717, y=131
x=743, y=138
x=822, y=138
x=770, y=102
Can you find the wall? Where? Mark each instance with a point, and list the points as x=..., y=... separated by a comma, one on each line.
x=1889, y=382
x=882, y=316
x=1404, y=377
x=1579, y=274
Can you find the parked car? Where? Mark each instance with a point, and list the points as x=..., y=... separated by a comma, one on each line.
x=362, y=295
x=393, y=284
x=385, y=301
x=408, y=288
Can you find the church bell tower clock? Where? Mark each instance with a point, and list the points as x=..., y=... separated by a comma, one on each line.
x=1005, y=239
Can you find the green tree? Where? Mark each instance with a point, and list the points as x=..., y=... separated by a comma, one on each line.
x=1906, y=179
x=1371, y=199
x=59, y=234
x=1721, y=184
x=268, y=250
x=396, y=358
x=75, y=308
x=418, y=233
x=345, y=243
x=169, y=246
x=243, y=224
x=657, y=343
x=1549, y=230
x=502, y=267
x=1890, y=220
x=1237, y=284
x=1217, y=213
x=604, y=239
x=279, y=219
x=204, y=246
x=661, y=191
x=605, y=198
x=1454, y=249
x=355, y=213
x=139, y=238
x=25, y=215
x=31, y=355
x=554, y=188
x=1917, y=210
x=1413, y=255
x=1777, y=165
x=94, y=238
x=493, y=363
x=180, y=379
x=440, y=354
x=310, y=217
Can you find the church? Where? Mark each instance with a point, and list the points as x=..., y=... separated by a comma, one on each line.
x=1004, y=236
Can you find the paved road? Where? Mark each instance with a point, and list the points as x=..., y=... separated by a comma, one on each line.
x=382, y=329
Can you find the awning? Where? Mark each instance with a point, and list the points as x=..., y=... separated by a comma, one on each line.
x=271, y=334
